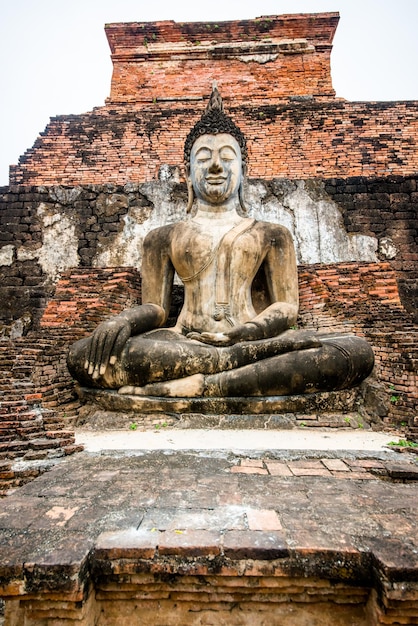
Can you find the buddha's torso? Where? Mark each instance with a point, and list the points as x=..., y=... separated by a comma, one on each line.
x=216, y=260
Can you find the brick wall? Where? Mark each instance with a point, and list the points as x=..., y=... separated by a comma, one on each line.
x=363, y=299
x=268, y=59
x=28, y=260
x=385, y=208
x=388, y=209
x=296, y=140
x=32, y=436
x=38, y=405
x=275, y=78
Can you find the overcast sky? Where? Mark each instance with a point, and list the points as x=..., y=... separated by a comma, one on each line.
x=55, y=60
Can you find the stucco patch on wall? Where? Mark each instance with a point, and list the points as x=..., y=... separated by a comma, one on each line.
x=387, y=248
x=6, y=255
x=59, y=245
x=125, y=248
x=315, y=222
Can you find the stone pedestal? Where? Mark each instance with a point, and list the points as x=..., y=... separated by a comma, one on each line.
x=106, y=409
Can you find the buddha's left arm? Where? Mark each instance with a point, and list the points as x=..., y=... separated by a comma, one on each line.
x=282, y=283
x=281, y=279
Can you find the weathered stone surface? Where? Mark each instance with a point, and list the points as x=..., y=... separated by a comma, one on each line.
x=345, y=553
x=324, y=403
x=59, y=248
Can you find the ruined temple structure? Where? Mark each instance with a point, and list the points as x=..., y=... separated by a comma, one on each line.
x=191, y=537
x=341, y=176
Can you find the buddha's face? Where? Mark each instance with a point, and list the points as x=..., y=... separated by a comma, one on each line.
x=216, y=168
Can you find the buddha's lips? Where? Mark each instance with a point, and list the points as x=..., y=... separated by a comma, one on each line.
x=216, y=181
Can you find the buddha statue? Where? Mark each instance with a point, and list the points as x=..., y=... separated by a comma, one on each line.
x=235, y=335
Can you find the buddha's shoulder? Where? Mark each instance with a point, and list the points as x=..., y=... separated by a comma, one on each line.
x=156, y=239
x=169, y=235
x=170, y=232
x=161, y=232
x=270, y=230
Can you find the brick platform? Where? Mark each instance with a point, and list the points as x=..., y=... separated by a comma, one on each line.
x=200, y=538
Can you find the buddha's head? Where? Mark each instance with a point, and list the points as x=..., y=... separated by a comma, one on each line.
x=215, y=154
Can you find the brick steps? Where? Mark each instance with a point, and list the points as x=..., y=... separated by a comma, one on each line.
x=29, y=430
x=38, y=403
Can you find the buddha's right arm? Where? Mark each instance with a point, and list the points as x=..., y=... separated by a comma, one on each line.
x=157, y=269
x=110, y=337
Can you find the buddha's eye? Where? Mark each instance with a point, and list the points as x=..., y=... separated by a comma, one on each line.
x=227, y=154
x=203, y=155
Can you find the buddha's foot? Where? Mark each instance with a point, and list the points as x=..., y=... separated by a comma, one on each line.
x=189, y=387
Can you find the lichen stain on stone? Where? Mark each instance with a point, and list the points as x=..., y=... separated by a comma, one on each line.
x=61, y=514
x=63, y=195
x=139, y=213
x=28, y=253
x=108, y=205
x=387, y=248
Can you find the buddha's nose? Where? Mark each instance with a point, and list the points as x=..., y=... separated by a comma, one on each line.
x=215, y=166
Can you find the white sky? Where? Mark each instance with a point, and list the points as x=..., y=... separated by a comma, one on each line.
x=55, y=59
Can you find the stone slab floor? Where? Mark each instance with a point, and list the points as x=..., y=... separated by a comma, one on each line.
x=179, y=537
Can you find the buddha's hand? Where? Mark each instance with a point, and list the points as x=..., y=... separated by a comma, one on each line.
x=106, y=345
x=242, y=332
x=213, y=339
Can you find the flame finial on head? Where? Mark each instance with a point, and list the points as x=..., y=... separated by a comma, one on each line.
x=215, y=100
x=214, y=121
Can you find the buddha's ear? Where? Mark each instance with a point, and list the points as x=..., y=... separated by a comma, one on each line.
x=242, y=200
x=190, y=191
x=241, y=190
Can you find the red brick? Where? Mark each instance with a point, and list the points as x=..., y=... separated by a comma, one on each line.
x=336, y=465
x=300, y=471
x=129, y=543
x=263, y=519
x=277, y=468
x=189, y=543
x=239, y=544
x=239, y=469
